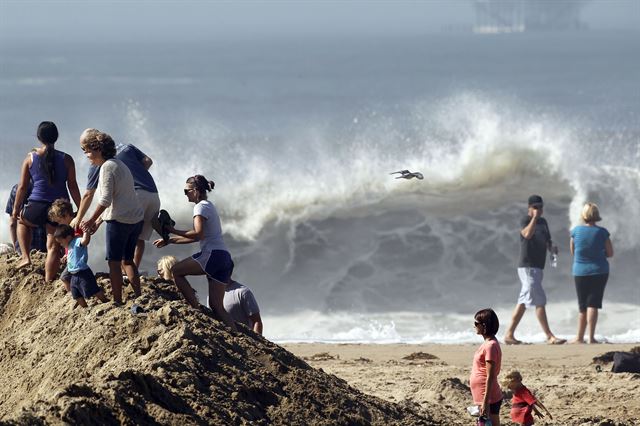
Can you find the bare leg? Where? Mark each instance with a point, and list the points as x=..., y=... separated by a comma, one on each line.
x=216, y=298
x=13, y=230
x=582, y=325
x=101, y=296
x=495, y=419
x=518, y=312
x=80, y=301
x=132, y=273
x=25, y=234
x=541, y=313
x=592, y=320
x=182, y=269
x=186, y=290
x=137, y=255
x=67, y=285
x=116, y=280
x=52, y=264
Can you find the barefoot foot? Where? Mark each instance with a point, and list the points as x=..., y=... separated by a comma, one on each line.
x=23, y=263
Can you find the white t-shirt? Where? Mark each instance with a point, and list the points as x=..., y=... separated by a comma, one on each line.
x=212, y=238
x=117, y=193
x=240, y=303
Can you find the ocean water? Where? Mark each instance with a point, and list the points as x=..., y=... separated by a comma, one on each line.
x=300, y=136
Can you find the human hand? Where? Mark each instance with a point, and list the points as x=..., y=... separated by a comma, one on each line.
x=87, y=225
x=554, y=249
x=74, y=223
x=63, y=259
x=160, y=243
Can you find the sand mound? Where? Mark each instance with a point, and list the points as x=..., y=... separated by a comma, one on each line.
x=449, y=389
x=172, y=365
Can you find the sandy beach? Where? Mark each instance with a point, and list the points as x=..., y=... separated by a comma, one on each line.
x=564, y=377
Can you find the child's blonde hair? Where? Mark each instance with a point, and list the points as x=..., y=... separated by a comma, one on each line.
x=512, y=376
x=59, y=209
x=164, y=266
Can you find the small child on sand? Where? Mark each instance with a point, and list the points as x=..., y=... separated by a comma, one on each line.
x=83, y=282
x=61, y=212
x=523, y=401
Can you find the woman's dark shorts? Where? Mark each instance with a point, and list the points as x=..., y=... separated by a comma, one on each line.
x=83, y=284
x=217, y=264
x=122, y=239
x=37, y=213
x=495, y=407
x=590, y=290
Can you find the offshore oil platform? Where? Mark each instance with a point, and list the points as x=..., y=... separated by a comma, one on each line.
x=518, y=16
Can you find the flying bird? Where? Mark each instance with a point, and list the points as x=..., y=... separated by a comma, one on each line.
x=406, y=174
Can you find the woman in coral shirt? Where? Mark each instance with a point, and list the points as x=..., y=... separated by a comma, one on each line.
x=486, y=366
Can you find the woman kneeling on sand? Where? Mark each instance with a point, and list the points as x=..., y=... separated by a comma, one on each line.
x=213, y=259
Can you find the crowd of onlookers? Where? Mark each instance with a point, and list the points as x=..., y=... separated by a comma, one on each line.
x=42, y=218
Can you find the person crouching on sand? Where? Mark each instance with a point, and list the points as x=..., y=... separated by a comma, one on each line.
x=213, y=259
x=523, y=401
x=83, y=282
x=486, y=366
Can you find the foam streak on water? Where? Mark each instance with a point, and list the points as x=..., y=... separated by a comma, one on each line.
x=618, y=323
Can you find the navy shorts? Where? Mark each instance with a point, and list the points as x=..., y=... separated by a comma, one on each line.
x=65, y=275
x=37, y=212
x=590, y=290
x=122, y=239
x=83, y=284
x=217, y=264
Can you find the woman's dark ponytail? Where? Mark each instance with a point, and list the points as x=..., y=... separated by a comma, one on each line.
x=48, y=135
x=201, y=184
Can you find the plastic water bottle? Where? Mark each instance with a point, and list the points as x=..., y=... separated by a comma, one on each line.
x=554, y=260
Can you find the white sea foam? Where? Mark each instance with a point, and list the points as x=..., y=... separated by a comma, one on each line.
x=618, y=323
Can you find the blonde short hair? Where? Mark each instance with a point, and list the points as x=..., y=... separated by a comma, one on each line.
x=164, y=266
x=591, y=213
x=93, y=139
x=513, y=376
x=59, y=209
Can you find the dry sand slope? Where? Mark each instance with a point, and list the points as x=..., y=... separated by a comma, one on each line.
x=173, y=366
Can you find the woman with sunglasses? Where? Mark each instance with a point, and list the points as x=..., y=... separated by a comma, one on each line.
x=486, y=366
x=213, y=259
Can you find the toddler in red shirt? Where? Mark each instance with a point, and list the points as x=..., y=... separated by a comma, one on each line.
x=523, y=402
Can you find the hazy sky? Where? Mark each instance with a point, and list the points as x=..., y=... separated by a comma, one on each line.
x=190, y=19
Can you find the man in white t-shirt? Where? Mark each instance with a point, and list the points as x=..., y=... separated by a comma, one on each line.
x=241, y=304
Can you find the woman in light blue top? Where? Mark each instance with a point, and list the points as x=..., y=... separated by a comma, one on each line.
x=590, y=247
x=213, y=259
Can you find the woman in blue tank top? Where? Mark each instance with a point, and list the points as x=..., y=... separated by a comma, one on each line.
x=51, y=172
x=590, y=246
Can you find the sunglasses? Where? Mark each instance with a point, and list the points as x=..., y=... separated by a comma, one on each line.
x=476, y=323
x=187, y=191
